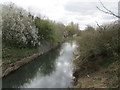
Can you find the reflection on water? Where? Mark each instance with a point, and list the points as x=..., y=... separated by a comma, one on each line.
x=51, y=70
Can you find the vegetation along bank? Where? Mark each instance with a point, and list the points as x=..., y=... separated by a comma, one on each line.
x=26, y=36
x=98, y=59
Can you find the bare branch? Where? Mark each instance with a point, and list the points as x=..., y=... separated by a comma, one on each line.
x=98, y=25
x=107, y=10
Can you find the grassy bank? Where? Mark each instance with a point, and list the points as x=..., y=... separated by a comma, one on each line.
x=98, y=51
x=11, y=55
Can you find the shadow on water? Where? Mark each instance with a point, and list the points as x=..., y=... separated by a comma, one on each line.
x=45, y=64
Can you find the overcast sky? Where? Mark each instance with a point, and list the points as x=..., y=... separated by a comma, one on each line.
x=83, y=12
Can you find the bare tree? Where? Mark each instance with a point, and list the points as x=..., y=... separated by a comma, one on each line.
x=106, y=10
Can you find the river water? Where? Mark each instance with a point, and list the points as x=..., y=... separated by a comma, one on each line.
x=51, y=70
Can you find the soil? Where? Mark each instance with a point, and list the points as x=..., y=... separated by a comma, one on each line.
x=103, y=78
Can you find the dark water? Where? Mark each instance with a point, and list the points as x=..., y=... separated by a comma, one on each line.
x=51, y=70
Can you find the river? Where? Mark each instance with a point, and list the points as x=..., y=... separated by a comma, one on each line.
x=51, y=70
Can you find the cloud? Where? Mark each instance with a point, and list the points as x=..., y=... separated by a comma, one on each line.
x=65, y=11
x=81, y=8
x=86, y=13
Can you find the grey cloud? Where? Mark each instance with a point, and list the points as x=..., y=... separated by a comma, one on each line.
x=86, y=8
x=113, y=6
x=108, y=17
x=82, y=12
x=81, y=7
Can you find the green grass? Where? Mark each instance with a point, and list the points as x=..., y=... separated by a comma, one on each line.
x=18, y=52
x=11, y=54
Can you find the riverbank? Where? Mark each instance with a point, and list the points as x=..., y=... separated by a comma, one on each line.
x=97, y=65
x=105, y=76
x=20, y=60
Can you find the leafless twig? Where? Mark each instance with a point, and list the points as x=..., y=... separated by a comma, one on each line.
x=107, y=10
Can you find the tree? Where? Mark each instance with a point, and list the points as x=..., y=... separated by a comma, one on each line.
x=72, y=28
x=18, y=28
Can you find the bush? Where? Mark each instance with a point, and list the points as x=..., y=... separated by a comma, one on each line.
x=18, y=27
x=45, y=29
x=49, y=31
x=102, y=41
